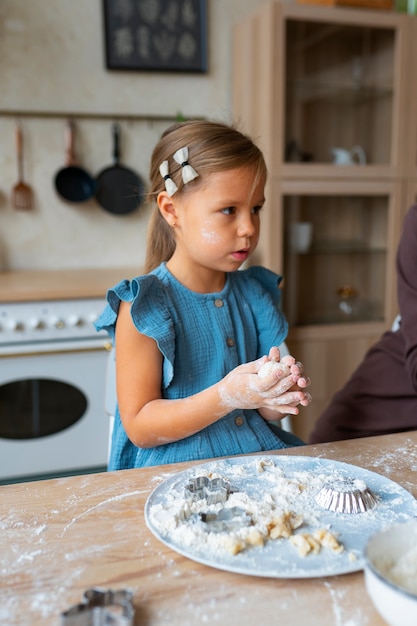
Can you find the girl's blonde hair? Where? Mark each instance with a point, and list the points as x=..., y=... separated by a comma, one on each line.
x=212, y=147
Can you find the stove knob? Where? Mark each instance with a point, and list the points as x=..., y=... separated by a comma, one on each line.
x=92, y=317
x=15, y=325
x=36, y=324
x=75, y=321
x=57, y=323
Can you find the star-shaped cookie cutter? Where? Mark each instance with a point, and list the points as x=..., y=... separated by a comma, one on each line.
x=101, y=607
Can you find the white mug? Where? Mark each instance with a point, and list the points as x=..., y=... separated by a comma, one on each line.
x=354, y=156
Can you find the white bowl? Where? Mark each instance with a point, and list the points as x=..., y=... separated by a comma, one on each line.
x=391, y=573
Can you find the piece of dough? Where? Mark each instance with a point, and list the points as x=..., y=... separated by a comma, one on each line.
x=283, y=526
x=306, y=543
x=272, y=366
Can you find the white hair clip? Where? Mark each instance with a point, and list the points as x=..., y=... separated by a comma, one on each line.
x=170, y=186
x=188, y=172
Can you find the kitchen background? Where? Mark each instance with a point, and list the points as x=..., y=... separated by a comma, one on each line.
x=52, y=67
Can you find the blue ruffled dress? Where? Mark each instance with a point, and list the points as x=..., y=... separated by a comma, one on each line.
x=201, y=337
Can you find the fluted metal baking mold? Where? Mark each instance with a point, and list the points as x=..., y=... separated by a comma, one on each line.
x=346, y=495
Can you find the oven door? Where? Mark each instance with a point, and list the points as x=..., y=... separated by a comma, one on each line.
x=52, y=416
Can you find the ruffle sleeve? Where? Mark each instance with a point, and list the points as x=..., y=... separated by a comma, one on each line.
x=150, y=315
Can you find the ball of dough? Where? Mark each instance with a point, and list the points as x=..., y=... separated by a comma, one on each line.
x=272, y=366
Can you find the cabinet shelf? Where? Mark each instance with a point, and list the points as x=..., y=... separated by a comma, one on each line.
x=330, y=248
x=339, y=320
x=339, y=94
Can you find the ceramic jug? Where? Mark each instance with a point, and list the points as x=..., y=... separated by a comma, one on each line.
x=354, y=156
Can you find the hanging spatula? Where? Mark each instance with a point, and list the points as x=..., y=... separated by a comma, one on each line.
x=22, y=194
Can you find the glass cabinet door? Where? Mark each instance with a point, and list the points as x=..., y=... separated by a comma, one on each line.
x=339, y=93
x=322, y=86
x=336, y=258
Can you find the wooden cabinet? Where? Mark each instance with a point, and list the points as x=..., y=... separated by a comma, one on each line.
x=327, y=94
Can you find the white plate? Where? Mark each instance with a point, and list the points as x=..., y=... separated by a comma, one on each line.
x=278, y=558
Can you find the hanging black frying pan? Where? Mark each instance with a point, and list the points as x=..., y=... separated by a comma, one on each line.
x=73, y=183
x=120, y=190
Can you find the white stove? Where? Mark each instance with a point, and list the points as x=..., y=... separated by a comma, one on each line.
x=52, y=389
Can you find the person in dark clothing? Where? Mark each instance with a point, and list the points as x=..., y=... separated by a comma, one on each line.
x=381, y=395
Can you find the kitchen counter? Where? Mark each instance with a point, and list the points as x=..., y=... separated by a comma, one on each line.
x=61, y=537
x=26, y=285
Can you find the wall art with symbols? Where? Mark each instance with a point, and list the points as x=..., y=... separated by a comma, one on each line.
x=156, y=35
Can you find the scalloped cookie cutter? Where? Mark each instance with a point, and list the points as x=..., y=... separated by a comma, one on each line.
x=213, y=490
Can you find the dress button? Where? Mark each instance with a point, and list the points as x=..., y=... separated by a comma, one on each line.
x=230, y=342
x=218, y=303
x=239, y=421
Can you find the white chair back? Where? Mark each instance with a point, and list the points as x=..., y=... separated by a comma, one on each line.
x=396, y=323
x=110, y=397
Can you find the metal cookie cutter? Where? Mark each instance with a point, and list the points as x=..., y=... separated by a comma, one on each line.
x=213, y=490
x=101, y=607
x=226, y=519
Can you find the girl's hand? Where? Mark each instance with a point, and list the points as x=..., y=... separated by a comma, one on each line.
x=242, y=388
x=293, y=399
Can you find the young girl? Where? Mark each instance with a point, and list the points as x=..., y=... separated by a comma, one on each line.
x=192, y=333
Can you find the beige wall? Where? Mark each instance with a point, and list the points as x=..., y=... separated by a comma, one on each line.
x=52, y=61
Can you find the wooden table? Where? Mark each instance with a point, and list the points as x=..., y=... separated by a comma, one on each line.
x=60, y=537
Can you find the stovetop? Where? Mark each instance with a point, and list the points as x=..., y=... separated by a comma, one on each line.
x=53, y=305
x=49, y=320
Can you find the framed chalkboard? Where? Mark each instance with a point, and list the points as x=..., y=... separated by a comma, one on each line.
x=156, y=35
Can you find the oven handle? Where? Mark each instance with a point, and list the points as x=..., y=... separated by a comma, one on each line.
x=56, y=347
